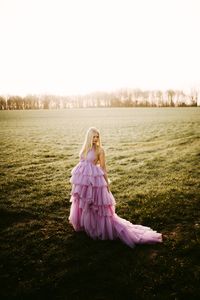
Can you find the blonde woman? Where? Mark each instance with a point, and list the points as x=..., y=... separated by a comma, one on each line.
x=93, y=205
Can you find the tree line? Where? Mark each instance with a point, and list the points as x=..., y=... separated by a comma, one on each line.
x=120, y=98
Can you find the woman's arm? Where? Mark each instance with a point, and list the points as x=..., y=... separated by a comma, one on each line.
x=102, y=162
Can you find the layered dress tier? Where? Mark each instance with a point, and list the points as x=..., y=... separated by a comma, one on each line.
x=93, y=208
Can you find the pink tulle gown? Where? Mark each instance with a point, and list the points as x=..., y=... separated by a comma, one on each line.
x=93, y=208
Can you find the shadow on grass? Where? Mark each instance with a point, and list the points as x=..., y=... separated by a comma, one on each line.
x=43, y=258
x=10, y=216
x=46, y=259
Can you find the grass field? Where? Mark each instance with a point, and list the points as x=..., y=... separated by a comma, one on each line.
x=153, y=160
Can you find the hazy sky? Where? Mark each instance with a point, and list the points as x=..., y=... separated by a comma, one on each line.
x=78, y=46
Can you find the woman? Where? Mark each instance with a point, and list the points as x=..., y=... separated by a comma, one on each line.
x=93, y=205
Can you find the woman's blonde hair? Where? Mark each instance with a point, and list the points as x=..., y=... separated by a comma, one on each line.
x=87, y=145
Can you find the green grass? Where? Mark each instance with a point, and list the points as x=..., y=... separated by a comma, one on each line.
x=153, y=160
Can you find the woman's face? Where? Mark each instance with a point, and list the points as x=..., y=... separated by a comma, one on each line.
x=95, y=139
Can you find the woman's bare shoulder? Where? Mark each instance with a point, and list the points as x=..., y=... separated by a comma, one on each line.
x=101, y=150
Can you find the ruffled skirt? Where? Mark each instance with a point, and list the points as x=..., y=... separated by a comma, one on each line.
x=93, y=209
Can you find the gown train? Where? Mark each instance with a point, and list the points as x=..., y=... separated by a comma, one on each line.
x=93, y=208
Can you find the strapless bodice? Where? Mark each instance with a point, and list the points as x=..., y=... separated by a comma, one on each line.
x=90, y=157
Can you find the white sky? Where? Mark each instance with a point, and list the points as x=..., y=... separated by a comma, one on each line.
x=80, y=46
